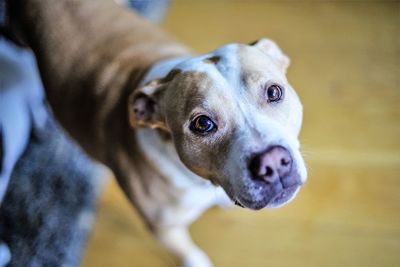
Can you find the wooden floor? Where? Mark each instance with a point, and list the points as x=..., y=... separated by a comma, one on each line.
x=346, y=68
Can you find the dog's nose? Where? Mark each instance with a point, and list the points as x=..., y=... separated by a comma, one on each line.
x=271, y=165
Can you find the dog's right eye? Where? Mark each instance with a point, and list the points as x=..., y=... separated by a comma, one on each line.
x=274, y=93
x=202, y=125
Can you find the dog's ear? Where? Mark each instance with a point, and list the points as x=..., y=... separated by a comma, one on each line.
x=143, y=106
x=270, y=48
x=144, y=103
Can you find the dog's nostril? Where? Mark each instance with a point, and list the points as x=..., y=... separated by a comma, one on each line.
x=269, y=171
x=271, y=165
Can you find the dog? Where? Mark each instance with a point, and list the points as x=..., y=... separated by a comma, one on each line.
x=181, y=132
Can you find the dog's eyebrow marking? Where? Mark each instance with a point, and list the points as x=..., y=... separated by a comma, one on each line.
x=254, y=42
x=171, y=75
x=212, y=60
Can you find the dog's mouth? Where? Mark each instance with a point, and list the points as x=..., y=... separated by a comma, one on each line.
x=284, y=196
x=279, y=199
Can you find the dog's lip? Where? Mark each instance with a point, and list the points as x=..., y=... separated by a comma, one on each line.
x=237, y=203
x=283, y=196
x=279, y=199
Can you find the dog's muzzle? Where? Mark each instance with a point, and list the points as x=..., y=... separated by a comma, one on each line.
x=274, y=179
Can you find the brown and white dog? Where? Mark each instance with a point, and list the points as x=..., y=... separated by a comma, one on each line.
x=181, y=132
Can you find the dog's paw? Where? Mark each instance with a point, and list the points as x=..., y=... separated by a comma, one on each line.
x=197, y=258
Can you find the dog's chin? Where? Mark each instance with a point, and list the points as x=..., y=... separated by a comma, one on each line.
x=278, y=200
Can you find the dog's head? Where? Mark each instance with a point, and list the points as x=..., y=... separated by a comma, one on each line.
x=234, y=120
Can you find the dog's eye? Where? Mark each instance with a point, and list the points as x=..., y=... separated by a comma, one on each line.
x=202, y=125
x=274, y=93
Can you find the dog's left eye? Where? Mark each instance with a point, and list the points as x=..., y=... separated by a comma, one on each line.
x=202, y=125
x=274, y=93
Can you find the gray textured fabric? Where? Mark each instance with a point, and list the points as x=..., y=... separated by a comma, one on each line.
x=48, y=210
x=22, y=105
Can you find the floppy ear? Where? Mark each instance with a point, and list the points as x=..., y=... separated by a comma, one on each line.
x=143, y=106
x=144, y=103
x=270, y=48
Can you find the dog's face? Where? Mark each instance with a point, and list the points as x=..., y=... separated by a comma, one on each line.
x=234, y=120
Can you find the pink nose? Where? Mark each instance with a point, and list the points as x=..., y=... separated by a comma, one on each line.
x=271, y=165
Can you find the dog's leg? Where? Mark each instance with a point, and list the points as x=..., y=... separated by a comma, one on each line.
x=178, y=241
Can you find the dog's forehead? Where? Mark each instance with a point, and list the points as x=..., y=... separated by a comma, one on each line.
x=228, y=53
x=235, y=63
x=229, y=78
x=216, y=73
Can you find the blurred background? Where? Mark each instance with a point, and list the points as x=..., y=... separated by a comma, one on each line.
x=346, y=68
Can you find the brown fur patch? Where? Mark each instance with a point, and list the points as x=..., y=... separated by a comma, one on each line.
x=212, y=60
